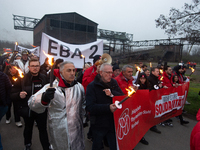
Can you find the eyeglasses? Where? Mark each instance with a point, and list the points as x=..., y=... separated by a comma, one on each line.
x=108, y=72
x=35, y=66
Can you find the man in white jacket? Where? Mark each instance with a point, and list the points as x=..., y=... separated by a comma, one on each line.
x=23, y=63
x=66, y=109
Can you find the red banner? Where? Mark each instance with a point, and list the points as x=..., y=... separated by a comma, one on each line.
x=145, y=109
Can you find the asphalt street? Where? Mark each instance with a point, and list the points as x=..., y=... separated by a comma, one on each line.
x=171, y=138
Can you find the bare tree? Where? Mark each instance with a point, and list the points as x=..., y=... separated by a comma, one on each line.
x=184, y=22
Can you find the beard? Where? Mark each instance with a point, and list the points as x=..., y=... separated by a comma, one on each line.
x=34, y=74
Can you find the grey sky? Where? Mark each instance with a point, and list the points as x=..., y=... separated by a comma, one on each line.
x=132, y=16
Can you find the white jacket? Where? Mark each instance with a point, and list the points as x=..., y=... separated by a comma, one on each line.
x=65, y=116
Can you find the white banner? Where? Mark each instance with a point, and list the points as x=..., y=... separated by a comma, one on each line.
x=69, y=52
x=35, y=51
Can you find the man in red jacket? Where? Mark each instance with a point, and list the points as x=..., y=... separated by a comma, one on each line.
x=167, y=77
x=125, y=79
x=195, y=135
x=91, y=73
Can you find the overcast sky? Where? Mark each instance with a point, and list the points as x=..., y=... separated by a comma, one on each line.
x=136, y=17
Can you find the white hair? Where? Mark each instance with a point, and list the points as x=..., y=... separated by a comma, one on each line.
x=64, y=63
x=103, y=66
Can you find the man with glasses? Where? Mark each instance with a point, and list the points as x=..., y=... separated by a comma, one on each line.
x=33, y=82
x=99, y=104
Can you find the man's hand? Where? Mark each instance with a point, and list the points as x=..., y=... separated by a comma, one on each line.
x=165, y=87
x=160, y=85
x=98, y=68
x=48, y=95
x=113, y=108
x=108, y=92
x=135, y=87
x=22, y=94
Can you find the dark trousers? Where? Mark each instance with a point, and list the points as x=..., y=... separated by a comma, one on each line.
x=41, y=120
x=98, y=136
x=3, y=110
x=16, y=115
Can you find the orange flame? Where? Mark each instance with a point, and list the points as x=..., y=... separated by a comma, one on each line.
x=161, y=78
x=21, y=74
x=161, y=71
x=50, y=58
x=138, y=68
x=150, y=65
x=193, y=70
x=83, y=56
x=34, y=46
x=16, y=43
x=14, y=78
x=130, y=90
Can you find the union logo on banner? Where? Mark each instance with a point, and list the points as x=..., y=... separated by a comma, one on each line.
x=124, y=124
x=145, y=109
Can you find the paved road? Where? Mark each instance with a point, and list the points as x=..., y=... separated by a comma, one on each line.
x=171, y=138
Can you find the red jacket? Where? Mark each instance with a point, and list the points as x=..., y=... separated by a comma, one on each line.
x=180, y=78
x=166, y=80
x=195, y=135
x=123, y=83
x=89, y=76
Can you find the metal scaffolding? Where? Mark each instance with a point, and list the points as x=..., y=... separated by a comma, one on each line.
x=24, y=23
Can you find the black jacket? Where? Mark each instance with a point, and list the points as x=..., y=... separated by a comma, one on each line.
x=27, y=86
x=153, y=80
x=16, y=89
x=98, y=103
x=5, y=89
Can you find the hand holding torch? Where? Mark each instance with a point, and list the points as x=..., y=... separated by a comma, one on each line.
x=50, y=59
x=193, y=70
x=131, y=91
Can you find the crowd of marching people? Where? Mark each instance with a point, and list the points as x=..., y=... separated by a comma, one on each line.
x=70, y=98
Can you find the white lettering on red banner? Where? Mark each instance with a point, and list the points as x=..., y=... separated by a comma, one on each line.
x=169, y=103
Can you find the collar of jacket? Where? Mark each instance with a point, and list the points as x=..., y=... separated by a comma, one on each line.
x=98, y=81
x=166, y=75
x=62, y=82
x=153, y=77
x=123, y=78
x=30, y=76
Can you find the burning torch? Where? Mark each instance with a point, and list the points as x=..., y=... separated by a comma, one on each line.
x=193, y=70
x=150, y=64
x=131, y=91
x=51, y=63
x=21, y=75
x=83, y=60
x=138, y=68
x=16, y=46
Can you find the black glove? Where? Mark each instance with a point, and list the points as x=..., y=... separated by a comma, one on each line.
x=48, y=95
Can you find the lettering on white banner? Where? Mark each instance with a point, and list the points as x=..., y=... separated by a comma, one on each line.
x=70, y=52
x=169, y=103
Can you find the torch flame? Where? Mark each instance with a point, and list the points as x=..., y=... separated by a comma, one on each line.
x=138, y=68
x=150, y=65
x=130, y=90
x=161, y=78
x=34, y=46
x=161, y=71
x=21, y=74
x=50, y=58
x=192, y=69
x=83, y=56
x=14, y=78
x=16, y=43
